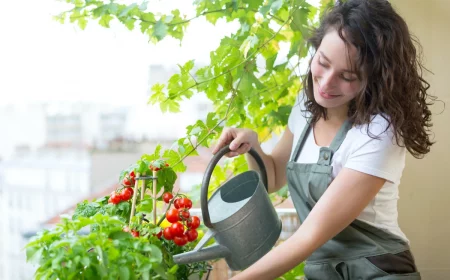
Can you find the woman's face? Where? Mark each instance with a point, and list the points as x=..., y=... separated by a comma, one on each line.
x=334, y=81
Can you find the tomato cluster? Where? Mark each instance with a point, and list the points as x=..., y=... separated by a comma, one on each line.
x=183, y=228
x=133, y=232
x=153, y=166
x=126, y=193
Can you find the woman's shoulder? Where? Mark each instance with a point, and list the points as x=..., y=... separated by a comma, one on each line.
x=298, y=117
x=379, y=126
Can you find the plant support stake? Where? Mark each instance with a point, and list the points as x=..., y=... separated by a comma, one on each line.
x=155, y=181
x=133, y=205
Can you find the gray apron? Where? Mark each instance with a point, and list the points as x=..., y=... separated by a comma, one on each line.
x=360, y=251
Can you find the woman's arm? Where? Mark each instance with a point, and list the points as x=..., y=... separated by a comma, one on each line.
x=276, y=162
x=346, y=197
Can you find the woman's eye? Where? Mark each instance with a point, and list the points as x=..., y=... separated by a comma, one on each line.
x=321, y=64
x=347, y=79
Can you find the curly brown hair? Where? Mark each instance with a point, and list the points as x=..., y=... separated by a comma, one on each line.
x=389, y=66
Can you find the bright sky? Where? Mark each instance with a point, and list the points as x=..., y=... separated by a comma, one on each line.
x=44, y=61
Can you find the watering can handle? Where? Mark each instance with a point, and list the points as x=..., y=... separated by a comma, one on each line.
x=207, y=178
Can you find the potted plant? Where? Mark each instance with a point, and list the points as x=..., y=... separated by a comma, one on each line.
x=122, y=235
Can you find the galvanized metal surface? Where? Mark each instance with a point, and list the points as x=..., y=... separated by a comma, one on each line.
x=241, y=219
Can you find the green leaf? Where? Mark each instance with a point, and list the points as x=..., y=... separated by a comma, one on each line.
x=276, y=5
x=144, y=26
x=85, y=261
x=155, y=252
x=211, y=120
x=118, y=235
x=143, y=6
x=78, y=3
x=282, y=114
x=145, y=205
x=127, y=10
x=124, y=272
x=253, y=4
x=129, y=23
x=170, y=105
x=34, y=254
x=295, y=273
x=104, y=20
x=160, y=30
x=173, y=269
x=86, y=209
x=264, y=10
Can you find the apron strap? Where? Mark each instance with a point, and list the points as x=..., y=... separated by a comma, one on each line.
x=324, y=151
x=340, y=136
x=301, y=141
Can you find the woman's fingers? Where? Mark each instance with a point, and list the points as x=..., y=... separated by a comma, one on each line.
x=238, y=140
x=225, y=138
x=245, y=147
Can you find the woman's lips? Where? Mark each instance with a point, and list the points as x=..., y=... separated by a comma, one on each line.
x=327, y=96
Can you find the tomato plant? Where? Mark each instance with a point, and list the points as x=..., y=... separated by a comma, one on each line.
x=122, y=239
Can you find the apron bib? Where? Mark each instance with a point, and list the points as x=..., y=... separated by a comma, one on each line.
x=360, y=251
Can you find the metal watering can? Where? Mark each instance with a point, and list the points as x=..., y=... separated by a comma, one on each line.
x=240, y=217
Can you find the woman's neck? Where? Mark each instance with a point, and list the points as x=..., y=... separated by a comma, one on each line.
x=337, y=115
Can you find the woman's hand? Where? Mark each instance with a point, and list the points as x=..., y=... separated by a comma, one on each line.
x=239, y=139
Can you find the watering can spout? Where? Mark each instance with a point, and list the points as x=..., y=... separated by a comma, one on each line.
x=200, y=253
x=205, y=254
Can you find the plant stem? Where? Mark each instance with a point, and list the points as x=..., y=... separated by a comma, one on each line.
x=168, y=207
x=142, y=195
x=209, y=133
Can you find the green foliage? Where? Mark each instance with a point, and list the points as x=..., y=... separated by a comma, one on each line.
x=252, y=81
x=294, y=274
x=107, y=253
x=98, y=243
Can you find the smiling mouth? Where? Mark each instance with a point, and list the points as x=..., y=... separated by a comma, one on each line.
x=324, y=94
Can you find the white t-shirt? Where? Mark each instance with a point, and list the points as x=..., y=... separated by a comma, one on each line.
x=380, y=157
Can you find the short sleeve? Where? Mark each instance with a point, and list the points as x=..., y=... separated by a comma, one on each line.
x=296, y=118
x=378, y=155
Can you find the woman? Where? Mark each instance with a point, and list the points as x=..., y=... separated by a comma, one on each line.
x=343, y=152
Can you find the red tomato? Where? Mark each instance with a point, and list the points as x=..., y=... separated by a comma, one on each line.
x=193, y=222
x=132, y=175
x=172, y=215
x=177, y=229
x=167, y=165
x=126, y=194
x=176, y=203
x=180, y=240
x=185, y=203
x=114, y=198
x=185, y=214
x=167, y=233
x=159, y=235
x=135, y=233
x=126, y=182
x=154, y=168
x=167, y=197
x=191, y=234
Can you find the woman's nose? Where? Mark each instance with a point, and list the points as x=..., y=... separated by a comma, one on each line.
x=327, y=81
